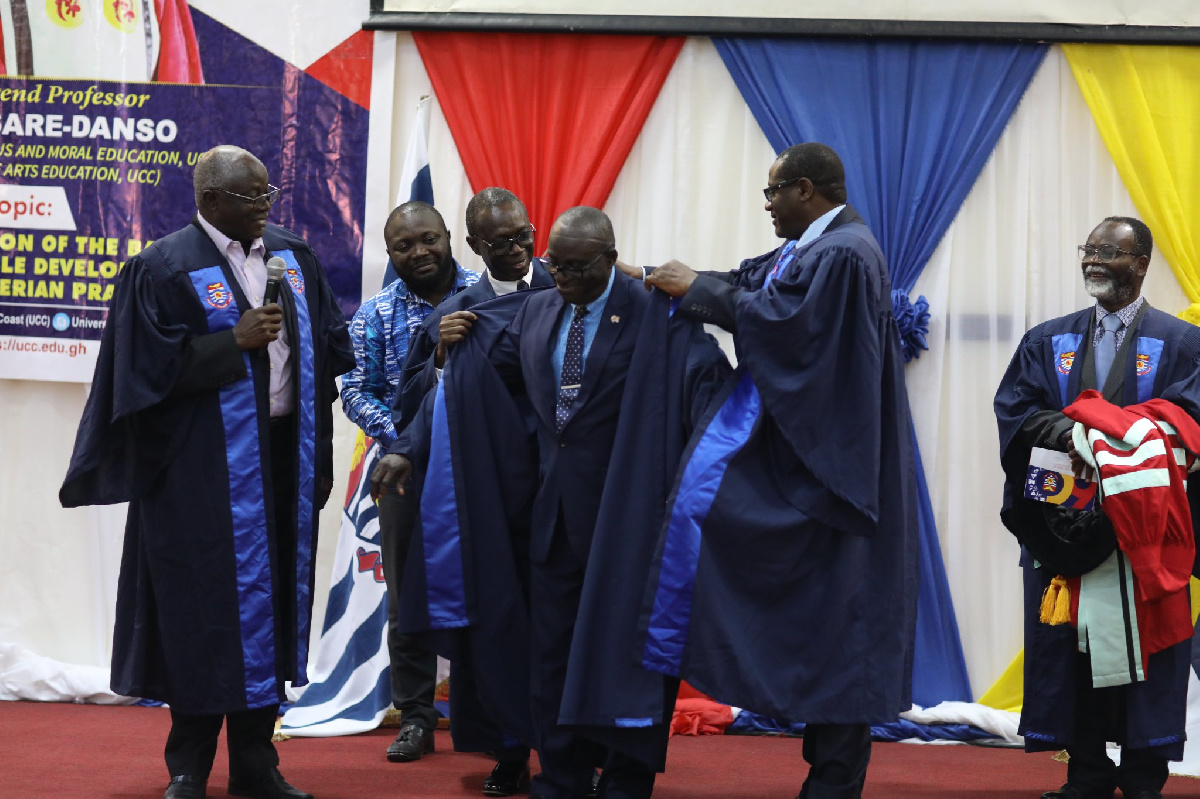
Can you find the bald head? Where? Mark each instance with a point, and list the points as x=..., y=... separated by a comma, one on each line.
x=232, y=193
x=219, y=167
x=581, y=253
x=585, y=222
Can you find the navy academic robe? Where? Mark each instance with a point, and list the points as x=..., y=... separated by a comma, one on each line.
x=466, y=584
x=420, y=371
x=177, y=425
x=668, y=371
x=787, y=575
x=1046, y=374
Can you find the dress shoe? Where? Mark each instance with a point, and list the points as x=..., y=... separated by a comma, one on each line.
x=412, y=742
x=185, y=787
x=594, y=791
x=1070, y=791
x=507, y=778
x=268, y=785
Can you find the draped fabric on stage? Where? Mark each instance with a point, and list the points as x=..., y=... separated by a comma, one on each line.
x=1146, y=102
x=551, y=117
x=914, y=123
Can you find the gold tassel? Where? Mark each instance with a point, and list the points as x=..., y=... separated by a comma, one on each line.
x=1056, y=603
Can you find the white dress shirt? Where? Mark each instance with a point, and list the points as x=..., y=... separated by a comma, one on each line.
x=250, y=270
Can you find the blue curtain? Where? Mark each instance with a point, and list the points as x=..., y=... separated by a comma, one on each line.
x=914, y=123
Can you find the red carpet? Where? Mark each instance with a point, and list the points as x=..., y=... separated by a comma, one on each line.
x=70, y=751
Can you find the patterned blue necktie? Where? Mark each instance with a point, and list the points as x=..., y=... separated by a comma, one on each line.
x=1106, y=350
x=572, y=369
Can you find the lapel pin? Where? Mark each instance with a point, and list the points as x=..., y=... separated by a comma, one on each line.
x=614, y=319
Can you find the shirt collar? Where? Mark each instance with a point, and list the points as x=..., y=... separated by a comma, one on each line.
x=1125, y=314
x=502, y=287
x=819, y=225
x=222, y=241
x=597, y=305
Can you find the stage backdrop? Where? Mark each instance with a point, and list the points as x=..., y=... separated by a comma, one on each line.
x=103, y=112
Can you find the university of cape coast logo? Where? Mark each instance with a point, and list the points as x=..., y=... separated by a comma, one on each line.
x=218, y=295
x=121, y=14
x=1052, y=483
x=1065, y=362
x=296, y=279
x=1143, y=364
x=64, y=13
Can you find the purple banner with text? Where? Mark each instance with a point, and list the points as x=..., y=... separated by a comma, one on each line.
x=94, y=169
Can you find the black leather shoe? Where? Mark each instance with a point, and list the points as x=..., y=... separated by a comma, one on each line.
x=268, y=785
x=594, y=791
x=412, y=742
x=507, y=779
x=1070, y=791
x=185, y=787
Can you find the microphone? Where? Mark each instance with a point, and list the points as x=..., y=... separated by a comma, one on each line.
x=276, y=268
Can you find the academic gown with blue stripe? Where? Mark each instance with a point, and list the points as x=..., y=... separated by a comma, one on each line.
x=1046, y=374
x=674, y=371
x=465, y=588
x=176, y=424
x=787, y=579
x=420, y=371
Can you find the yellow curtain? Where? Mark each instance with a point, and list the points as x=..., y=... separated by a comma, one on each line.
x=1146, y=103
x=1008, y=692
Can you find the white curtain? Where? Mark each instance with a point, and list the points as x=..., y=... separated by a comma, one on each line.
x=690, y=190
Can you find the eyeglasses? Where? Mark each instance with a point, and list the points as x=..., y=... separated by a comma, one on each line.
x=1105, y=252
x=504, y=246
x=770, y=191
x=267, y=199
x=572, y=269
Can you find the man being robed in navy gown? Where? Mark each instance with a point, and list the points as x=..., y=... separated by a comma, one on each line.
x=210, y=413
x=788, y=565
x=615, y=385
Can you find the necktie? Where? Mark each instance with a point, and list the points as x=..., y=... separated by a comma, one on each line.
x=572, y=369
x=1106, y=350
x=522, y=285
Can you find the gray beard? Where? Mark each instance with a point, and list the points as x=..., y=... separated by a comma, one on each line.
x=1107, y=289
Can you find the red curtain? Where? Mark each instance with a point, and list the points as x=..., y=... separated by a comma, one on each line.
x=178, y=50
x=551, y=117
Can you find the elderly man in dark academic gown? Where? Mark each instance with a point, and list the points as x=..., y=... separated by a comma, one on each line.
x=787, y=578
x=210, y=413
x=1132, y=353
x=615, y=384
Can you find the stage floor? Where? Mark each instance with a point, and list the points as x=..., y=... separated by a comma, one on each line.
x=69, y=751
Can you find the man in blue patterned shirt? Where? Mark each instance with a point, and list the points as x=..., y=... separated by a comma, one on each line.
x=418, y=244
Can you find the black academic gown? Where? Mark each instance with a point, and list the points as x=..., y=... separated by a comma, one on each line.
x=1052, y=365
x=787, y=574
x=420, y=371
x=177, y=425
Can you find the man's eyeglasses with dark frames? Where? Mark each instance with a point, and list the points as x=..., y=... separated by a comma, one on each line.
x=505, y=246
x=1105, y=252
x=769, y=191
x=572, y=269
x=267, y=199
